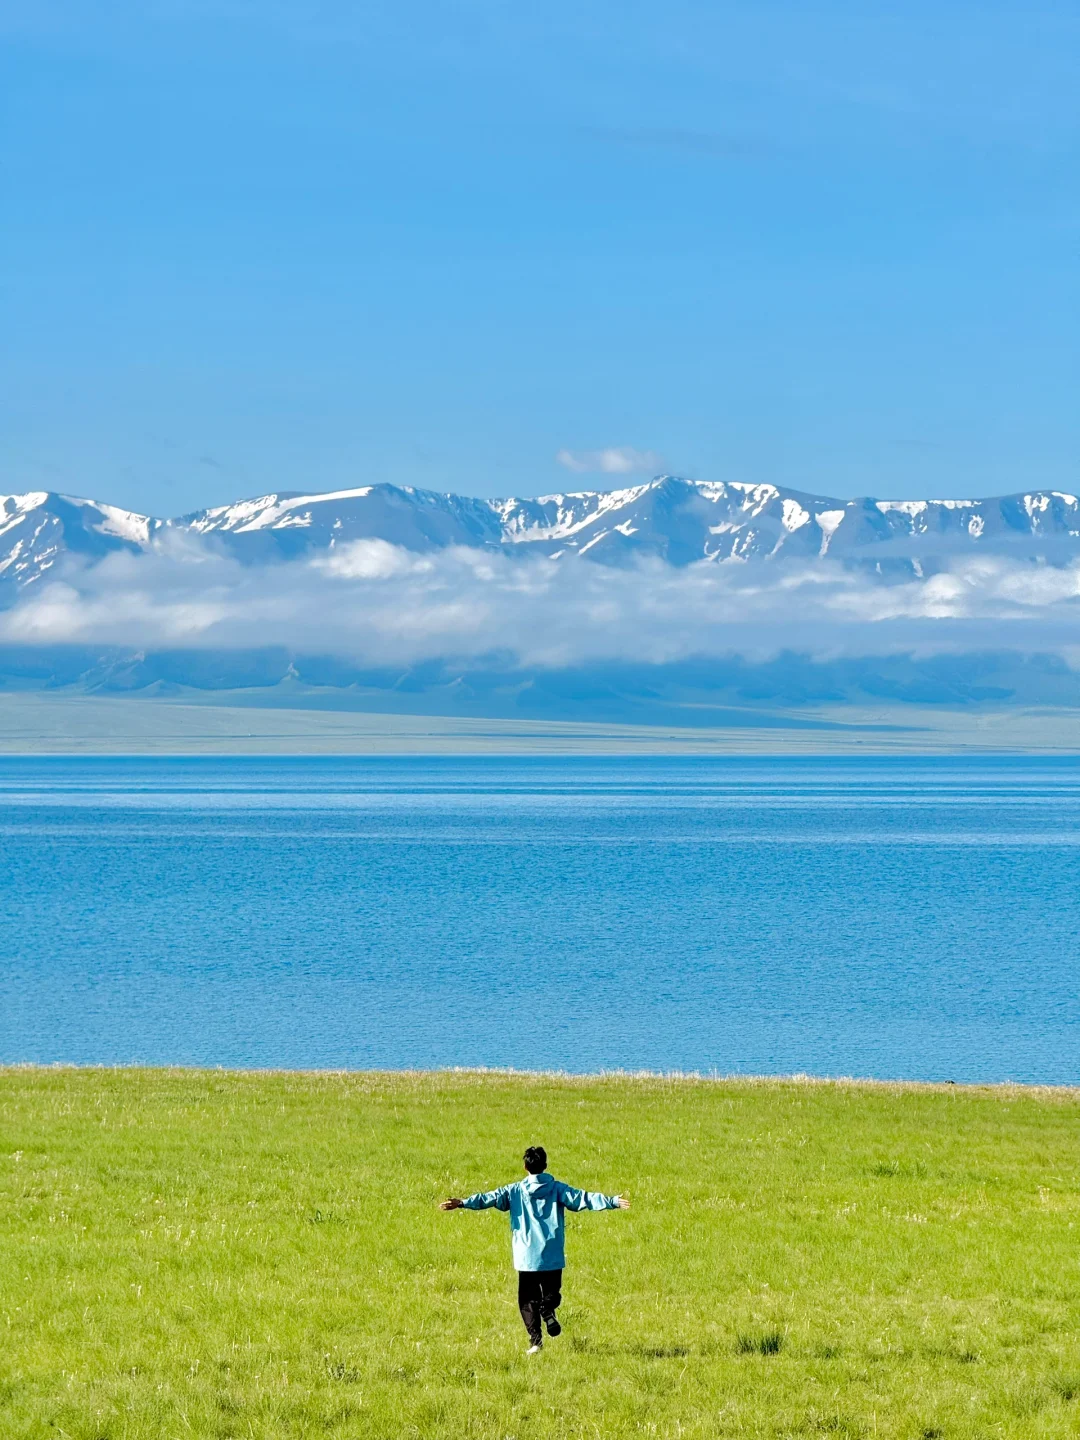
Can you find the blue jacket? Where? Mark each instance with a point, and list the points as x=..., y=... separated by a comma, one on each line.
x=537, y=1228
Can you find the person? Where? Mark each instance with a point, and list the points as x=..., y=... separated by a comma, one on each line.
x=537, y=1229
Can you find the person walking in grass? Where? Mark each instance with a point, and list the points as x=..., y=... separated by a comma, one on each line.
x=537, y=1231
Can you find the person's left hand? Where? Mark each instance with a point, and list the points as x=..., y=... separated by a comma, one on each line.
x=452, y=1204
x=623, y=1202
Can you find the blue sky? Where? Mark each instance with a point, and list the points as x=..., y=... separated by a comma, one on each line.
x=277, y=245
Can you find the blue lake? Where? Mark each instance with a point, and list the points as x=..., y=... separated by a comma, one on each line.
x=912, y=918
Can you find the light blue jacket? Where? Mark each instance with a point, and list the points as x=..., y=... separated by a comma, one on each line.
x=537, y=1228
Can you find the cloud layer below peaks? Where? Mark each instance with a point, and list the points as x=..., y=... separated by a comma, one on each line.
x=378, y=603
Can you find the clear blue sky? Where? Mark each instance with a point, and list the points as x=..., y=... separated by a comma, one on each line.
x=261, y=244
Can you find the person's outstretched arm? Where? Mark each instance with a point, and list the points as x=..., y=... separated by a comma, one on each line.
x=573, y=1199
x=482, y=1200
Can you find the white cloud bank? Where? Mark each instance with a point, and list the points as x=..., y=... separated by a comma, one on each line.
x=379, y=604
x=615, y=460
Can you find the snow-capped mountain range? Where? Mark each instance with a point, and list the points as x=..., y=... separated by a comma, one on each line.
x=678, y=521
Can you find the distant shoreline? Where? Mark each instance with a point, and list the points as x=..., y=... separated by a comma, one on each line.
x=32, y=724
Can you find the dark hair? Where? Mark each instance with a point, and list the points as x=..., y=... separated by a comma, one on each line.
x=535, y=1159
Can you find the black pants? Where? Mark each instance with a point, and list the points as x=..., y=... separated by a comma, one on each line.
x=539, y=1293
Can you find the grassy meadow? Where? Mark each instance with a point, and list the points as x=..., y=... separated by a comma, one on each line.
x=193, y=1253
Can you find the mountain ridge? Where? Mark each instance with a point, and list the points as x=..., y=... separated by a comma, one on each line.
x=668, y=518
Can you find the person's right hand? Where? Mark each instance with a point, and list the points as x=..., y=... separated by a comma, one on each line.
x=623, y=1202
x=452, y=1204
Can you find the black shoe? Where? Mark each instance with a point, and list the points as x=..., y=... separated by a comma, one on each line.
x=554, y=1328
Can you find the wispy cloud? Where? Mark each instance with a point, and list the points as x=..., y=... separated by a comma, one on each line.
x=614, y=460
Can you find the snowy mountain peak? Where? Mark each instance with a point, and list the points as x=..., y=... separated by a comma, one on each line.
x=671, y=519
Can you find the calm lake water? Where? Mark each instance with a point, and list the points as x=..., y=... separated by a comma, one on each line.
x=916, y=918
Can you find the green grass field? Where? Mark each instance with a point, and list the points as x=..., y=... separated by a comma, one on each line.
x=190, y=1254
